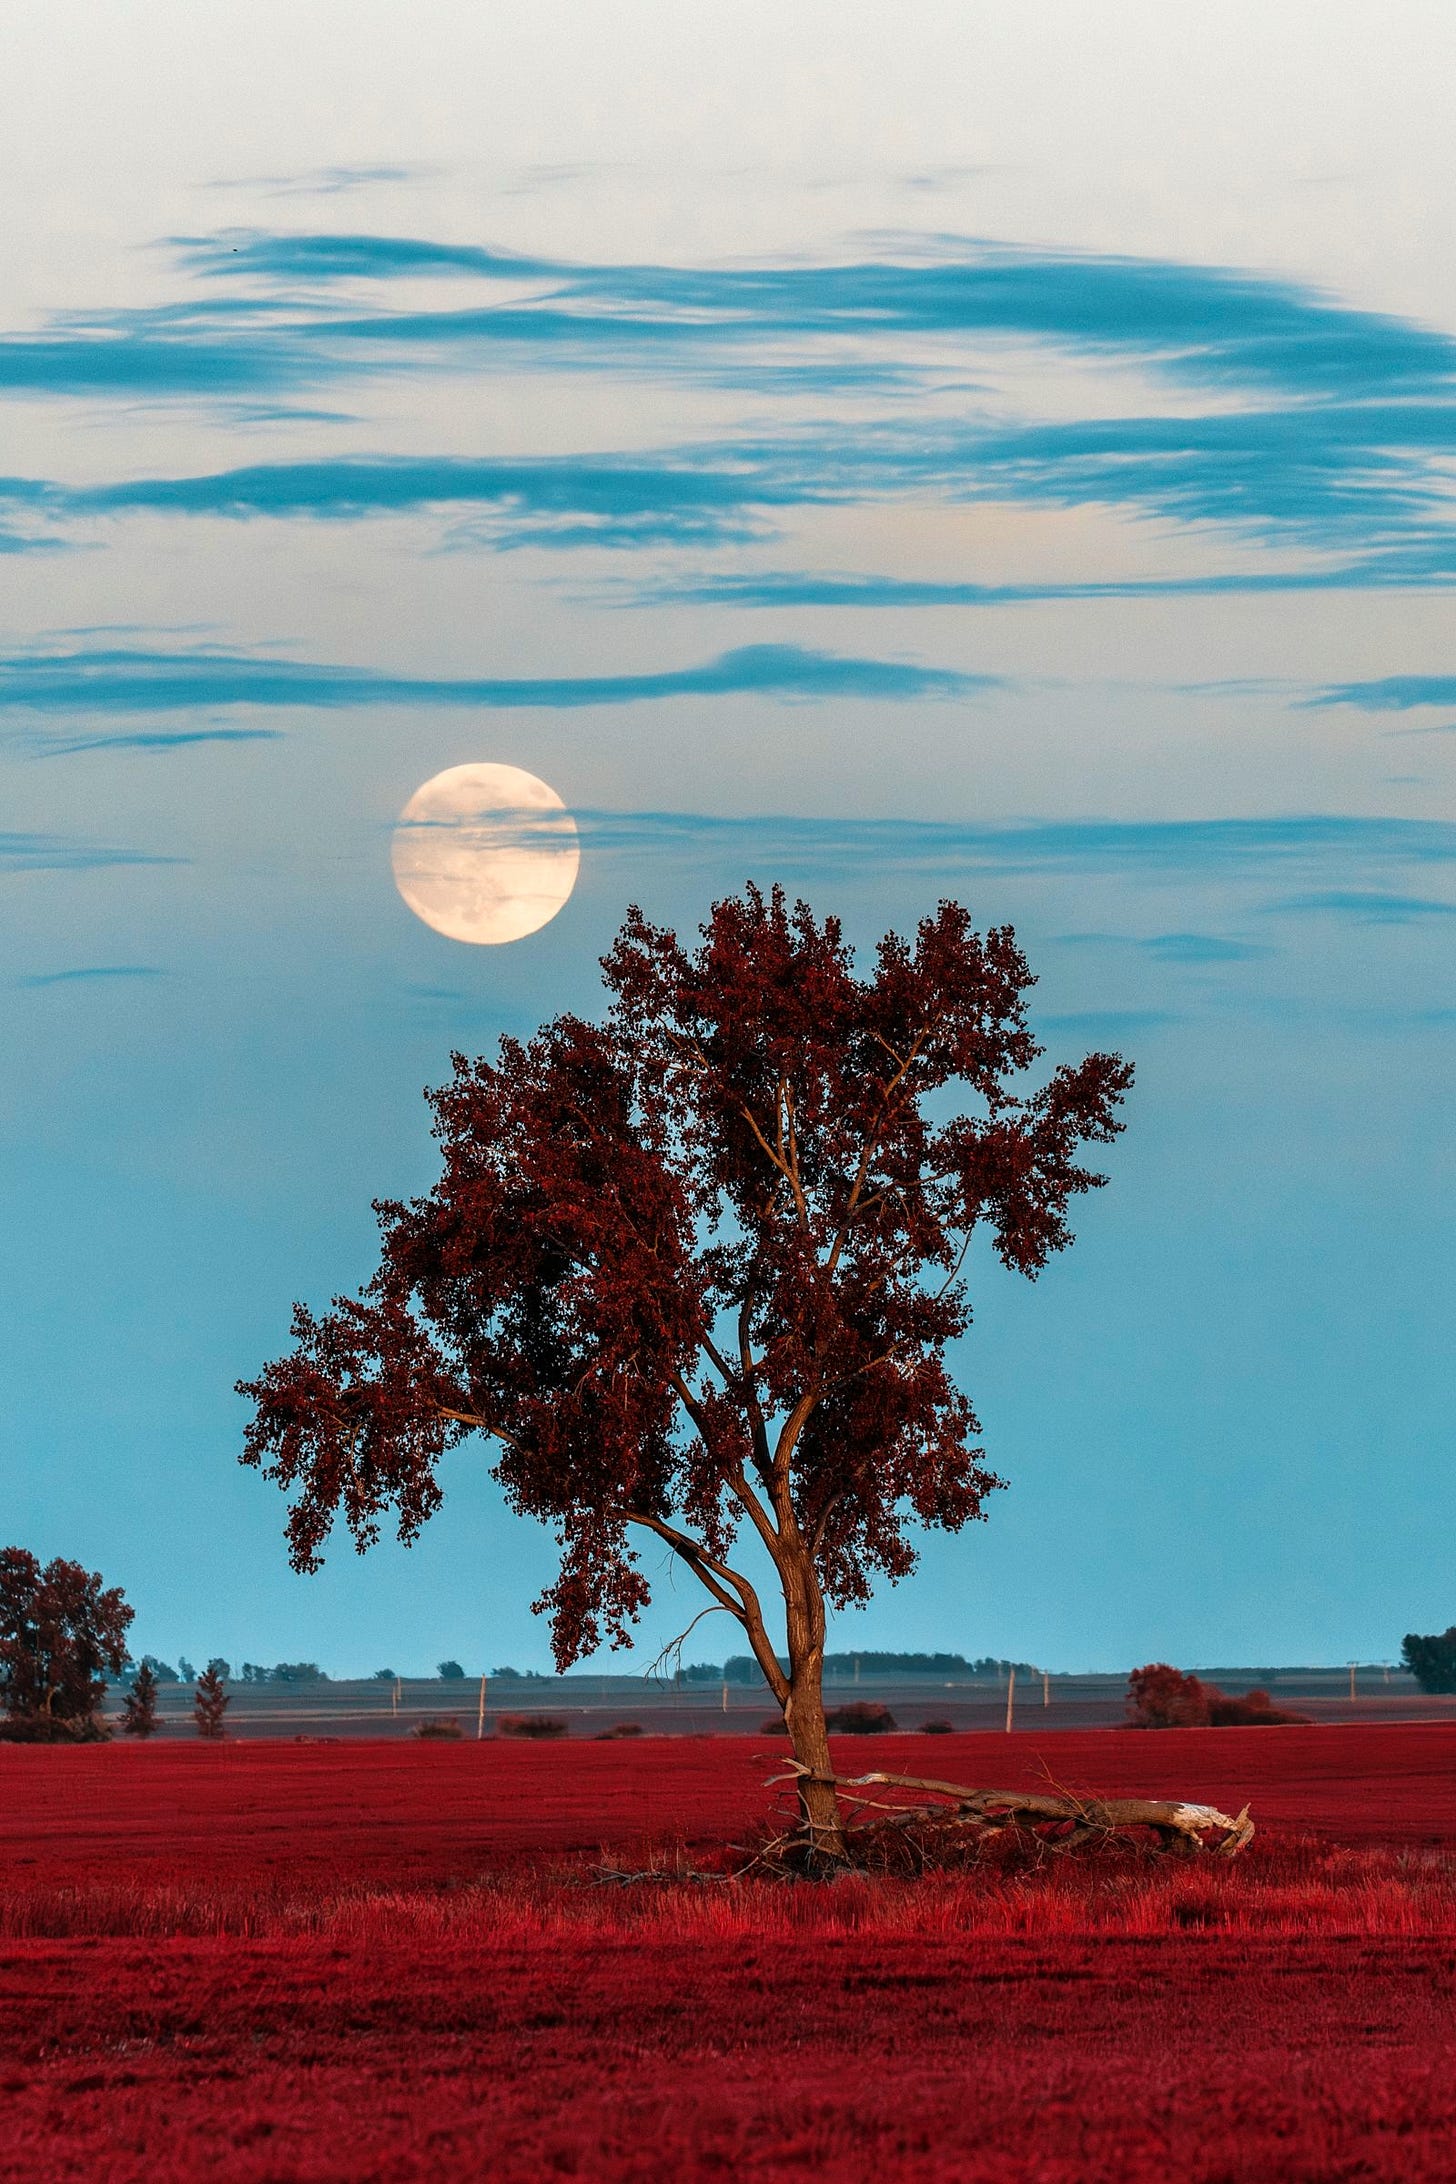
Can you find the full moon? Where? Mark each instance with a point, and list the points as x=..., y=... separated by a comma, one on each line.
x=485, y=853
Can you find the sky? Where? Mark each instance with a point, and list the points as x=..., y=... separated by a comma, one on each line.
x=1001, y=452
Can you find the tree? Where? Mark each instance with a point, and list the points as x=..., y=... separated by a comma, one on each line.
x=450, y=1672
x=210, y=1704
x=295, y=1672
x=1432, y=1661
x=221, y=1667
x=160, y=1669
x=139, y=1709
x=61, y=1633
x=186, y=1673
x=696, y=1269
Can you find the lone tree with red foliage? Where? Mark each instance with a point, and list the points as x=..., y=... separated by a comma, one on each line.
x=139, y=1709
x=696, y=1269
x=61, y=1632
x=210, y=1703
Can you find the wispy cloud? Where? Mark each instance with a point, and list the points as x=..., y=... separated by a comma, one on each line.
x=1391, y=693
x=1369, y=906
x=123, y=681
x=1201, y=948
x=92, y=971
x=1198, y=323
x=63, y=853
x=1331, y=432
x=59, y=745
x=1255, y=850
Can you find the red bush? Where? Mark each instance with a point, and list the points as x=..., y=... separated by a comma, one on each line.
x=860, y=1718
x=1160, y=1697
x=531, y=1725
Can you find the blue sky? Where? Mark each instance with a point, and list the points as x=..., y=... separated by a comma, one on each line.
x=998, y=453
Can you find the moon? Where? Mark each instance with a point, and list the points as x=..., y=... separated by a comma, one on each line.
x=485, y=854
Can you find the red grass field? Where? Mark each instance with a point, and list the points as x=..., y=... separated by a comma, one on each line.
x=273, y=1962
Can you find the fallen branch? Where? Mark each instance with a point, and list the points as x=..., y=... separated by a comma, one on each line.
x=1072, y=1820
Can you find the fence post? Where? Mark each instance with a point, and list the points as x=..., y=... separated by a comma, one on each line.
x=1010, y=1697
x=1046, y=1689
x=480, y=1713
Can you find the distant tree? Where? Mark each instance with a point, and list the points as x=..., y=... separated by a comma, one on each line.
x=699, y=1268
x=384, y=1675
x=297, y=1672
x=210, y=1704
x=450, y=1672
x=254, y=1672
x=61, y=1633
x=186, y=1673
x=218, y=1666
x=1162, y=1697
x=1432, y=1661
x=160, y=1669
x=139, y=1710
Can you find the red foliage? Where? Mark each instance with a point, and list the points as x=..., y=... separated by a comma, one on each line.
x=697, y=1269
x=531, y=1725
x=1160, y=1697
x=861, y=1718
x=61, y=1633
x=263, y=1962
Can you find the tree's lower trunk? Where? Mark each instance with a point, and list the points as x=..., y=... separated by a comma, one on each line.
x=808, y=1736
x=818, y=1800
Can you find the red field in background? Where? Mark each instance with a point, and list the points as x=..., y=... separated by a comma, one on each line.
x=273, y=1961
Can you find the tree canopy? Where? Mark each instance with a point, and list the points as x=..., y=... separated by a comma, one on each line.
x=698, y=1266
x=62, y=1632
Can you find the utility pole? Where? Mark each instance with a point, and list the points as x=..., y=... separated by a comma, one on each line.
x=480, y=1713
x=1352, y=1680
x=394, y=1696
x=725, y=1694
x=1046, y=1689
x=1010, y=1697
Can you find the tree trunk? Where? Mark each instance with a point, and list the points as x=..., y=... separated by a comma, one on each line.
x=818, y=1799
x=804, y=1718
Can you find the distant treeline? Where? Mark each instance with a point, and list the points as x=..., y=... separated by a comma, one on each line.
x=741, y=1668
x=283, y=1672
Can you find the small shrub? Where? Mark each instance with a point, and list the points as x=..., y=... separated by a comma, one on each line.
x=860, y=1718
x=531, y=1725
x=936, y=1728
x=42, y=1729
x=443, y=1726
x=619, y=1729
x=1254, y=1710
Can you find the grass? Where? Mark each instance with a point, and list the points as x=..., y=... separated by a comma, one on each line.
x=410, y=1962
